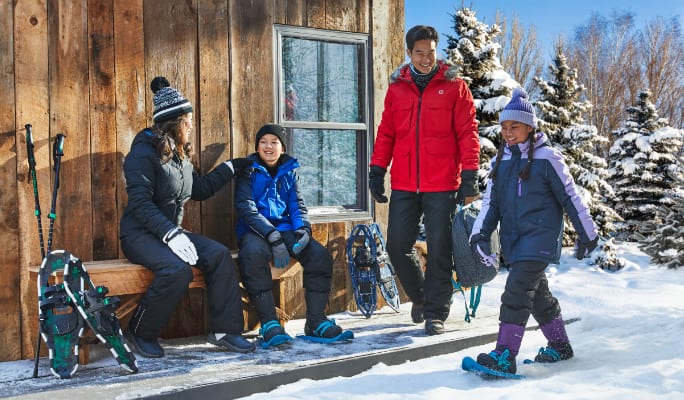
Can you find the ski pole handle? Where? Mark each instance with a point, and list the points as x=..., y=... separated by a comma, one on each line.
x=58, y=147
x=29, y=147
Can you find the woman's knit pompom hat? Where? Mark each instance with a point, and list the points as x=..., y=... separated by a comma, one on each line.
x=168, y=102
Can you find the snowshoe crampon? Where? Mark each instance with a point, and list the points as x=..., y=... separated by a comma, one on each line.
x=61, y=327
x=370, y=268
x=99, y=312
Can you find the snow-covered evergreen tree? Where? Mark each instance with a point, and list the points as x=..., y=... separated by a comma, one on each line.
x=645, y=165
x=476, y=52
x=605, y=257
x=561, y=118
x=664, y=235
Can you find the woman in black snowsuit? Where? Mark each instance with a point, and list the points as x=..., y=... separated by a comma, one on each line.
x=160, y=179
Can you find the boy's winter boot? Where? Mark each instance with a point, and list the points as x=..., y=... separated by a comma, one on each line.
x=317, y=324
x=558, y=347
x=265, y=306
x=502, y=358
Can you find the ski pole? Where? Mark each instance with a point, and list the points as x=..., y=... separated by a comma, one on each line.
x=57, y=153
x=32, y=170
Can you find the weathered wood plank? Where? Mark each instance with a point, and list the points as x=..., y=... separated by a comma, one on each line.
x=105, y=223
x=130, y=84
x=251, y=89
x=31, y=88
x=214, y=89
x=341, y=15
x=315, y=13
x=10, y=315
x=171, y=51
x=69, y=115
x=363, y=16
x=296, y=12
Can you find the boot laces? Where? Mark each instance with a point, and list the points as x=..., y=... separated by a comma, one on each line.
x=502, y=360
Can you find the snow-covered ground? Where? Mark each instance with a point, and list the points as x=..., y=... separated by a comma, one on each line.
x=628, y=345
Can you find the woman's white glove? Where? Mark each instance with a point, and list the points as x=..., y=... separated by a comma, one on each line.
x=181, y=245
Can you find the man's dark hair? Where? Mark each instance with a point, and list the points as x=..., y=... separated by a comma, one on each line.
x=420, y=32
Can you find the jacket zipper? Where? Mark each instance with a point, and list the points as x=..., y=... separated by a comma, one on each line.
x=420, y=102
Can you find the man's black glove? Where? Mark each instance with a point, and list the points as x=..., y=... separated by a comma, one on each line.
x=238, y=164
x=376, y=183
x=582, y=249
x=468, y=186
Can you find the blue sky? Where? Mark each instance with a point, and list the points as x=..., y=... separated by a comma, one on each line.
x=550, y=17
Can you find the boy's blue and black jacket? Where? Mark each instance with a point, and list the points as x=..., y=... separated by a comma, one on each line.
x=530, y=212
x=265, y=203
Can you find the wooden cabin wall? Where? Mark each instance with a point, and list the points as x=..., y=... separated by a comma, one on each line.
x=83, y=68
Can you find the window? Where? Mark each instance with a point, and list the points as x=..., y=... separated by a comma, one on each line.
x=322, y=99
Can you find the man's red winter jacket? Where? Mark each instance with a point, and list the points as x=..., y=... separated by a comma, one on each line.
x=428, y=137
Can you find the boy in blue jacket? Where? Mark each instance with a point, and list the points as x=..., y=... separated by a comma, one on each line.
x=274, y=225
x=529, y=188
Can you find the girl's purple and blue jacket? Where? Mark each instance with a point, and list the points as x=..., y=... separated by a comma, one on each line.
x=530, y=212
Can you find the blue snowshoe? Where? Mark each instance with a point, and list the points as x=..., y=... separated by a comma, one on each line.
x=326, y=332
x=272, y=334
x=493, y=365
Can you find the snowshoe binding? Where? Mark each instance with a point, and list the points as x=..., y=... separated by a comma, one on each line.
x=272, y=334
x=326, y=332
x=370, y=268
x=493, y=365
x=61, y=327
x=99, y=312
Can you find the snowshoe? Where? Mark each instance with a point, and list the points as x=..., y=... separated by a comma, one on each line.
x=470, y=365
x=272, y=334
x=99, y=312
x=326, y=332
x=61, y=326
x=554, y=352
x=370, y=268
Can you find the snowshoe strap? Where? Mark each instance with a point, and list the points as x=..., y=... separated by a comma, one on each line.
x=475, y=294
x=324, y=326
x=551, y=352
x=267, y=327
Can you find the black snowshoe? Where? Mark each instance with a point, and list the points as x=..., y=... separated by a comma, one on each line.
x=61, y=327
x=99, y=312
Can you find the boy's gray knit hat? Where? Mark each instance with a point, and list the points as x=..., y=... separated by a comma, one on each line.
x=519, y=109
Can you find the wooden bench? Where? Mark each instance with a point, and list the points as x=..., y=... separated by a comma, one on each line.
x=129, y=282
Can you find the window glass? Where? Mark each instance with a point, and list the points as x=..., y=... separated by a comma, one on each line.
x=322, y=101
x=322, y=81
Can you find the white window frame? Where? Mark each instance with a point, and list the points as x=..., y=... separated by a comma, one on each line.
x=328, y=213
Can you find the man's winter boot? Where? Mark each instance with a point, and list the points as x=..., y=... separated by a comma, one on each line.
x=317, y=324
x=265, y=306
x=417, y=312
x=434, y=326
x=502, y=358
x=147, y=345
x=558, y=347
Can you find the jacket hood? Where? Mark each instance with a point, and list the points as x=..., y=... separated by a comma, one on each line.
x=450, y=72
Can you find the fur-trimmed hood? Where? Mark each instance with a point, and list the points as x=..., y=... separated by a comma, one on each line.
x=450, y=72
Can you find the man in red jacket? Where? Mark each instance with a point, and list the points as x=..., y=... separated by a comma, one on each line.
x=429, y=134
